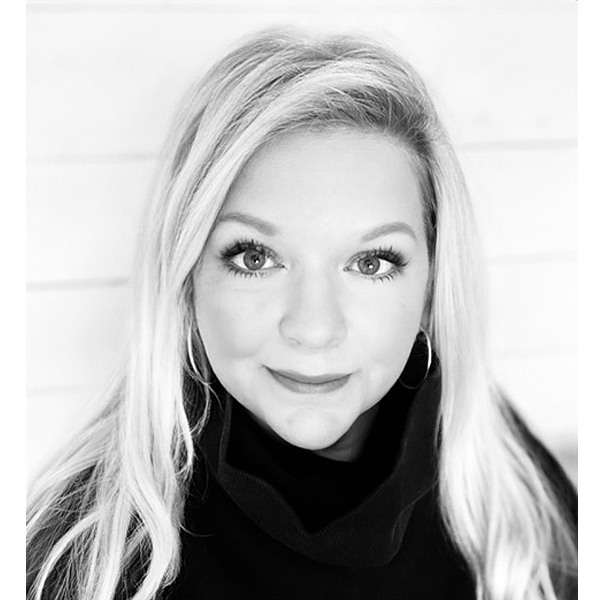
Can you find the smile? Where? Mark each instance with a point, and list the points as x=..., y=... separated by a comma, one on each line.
x=302, y=384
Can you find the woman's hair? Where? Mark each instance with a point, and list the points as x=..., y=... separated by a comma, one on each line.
x=107, y=514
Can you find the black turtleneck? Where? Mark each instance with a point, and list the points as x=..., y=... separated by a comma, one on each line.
x=265, y=519
x=268, y=520
x=318, y=489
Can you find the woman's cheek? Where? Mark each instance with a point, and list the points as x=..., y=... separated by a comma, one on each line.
x=390, y=317
x=394, y=340
x=236, y=323
x=393, y=325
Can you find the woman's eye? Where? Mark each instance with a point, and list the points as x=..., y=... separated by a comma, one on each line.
x=378, y=265
x=249, y=258
x=253, y=260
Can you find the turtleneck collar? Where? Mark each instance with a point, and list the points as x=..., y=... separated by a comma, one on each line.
x=368, y=534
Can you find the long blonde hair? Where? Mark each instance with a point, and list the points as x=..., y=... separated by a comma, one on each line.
x=108, y=511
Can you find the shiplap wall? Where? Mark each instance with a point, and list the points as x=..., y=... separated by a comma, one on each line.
x=104, y=79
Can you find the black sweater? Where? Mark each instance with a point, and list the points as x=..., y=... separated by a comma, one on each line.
x=265, y=519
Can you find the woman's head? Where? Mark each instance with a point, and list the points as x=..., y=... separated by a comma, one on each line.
x=350, y=125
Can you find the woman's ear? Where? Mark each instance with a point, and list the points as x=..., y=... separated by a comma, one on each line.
x=427, y=312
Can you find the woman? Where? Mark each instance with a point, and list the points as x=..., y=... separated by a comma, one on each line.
x=307, y=407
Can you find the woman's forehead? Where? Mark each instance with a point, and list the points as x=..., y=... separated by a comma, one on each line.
x=318, y=179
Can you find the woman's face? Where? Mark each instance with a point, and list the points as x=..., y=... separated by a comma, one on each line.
x=311, y=287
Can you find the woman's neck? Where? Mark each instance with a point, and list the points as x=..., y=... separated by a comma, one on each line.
x=349, y=447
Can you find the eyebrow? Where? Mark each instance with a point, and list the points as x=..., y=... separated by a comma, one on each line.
x=387, y=228
x=269, y=229
x=260, y=225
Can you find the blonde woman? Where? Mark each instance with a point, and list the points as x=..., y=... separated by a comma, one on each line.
x=306, y=409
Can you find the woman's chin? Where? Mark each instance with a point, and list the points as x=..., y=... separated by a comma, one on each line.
x=312, y=430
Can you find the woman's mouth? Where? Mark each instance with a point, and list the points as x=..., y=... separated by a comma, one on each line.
x=305, y=384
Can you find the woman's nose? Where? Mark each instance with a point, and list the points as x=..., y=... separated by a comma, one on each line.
x=313, y=317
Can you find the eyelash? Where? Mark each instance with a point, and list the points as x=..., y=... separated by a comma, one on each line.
x=389, y=254
x=240, y=246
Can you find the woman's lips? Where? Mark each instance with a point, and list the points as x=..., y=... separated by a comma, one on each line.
x=302, y=384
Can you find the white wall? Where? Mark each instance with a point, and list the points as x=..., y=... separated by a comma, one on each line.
x=104, y=78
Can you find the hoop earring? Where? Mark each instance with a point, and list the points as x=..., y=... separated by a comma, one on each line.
x=190, y=352
x=428, y=344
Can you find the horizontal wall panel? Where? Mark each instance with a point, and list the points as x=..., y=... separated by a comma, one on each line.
x=533, y=306
x=75, y=337
x=50, y=420
x=544, y=389
x=107, y=82
x=83, y=218
x=525, y=200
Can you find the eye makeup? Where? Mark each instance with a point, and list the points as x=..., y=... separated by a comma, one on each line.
x=249, y=258
x=255, y=259
x=369, y=264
